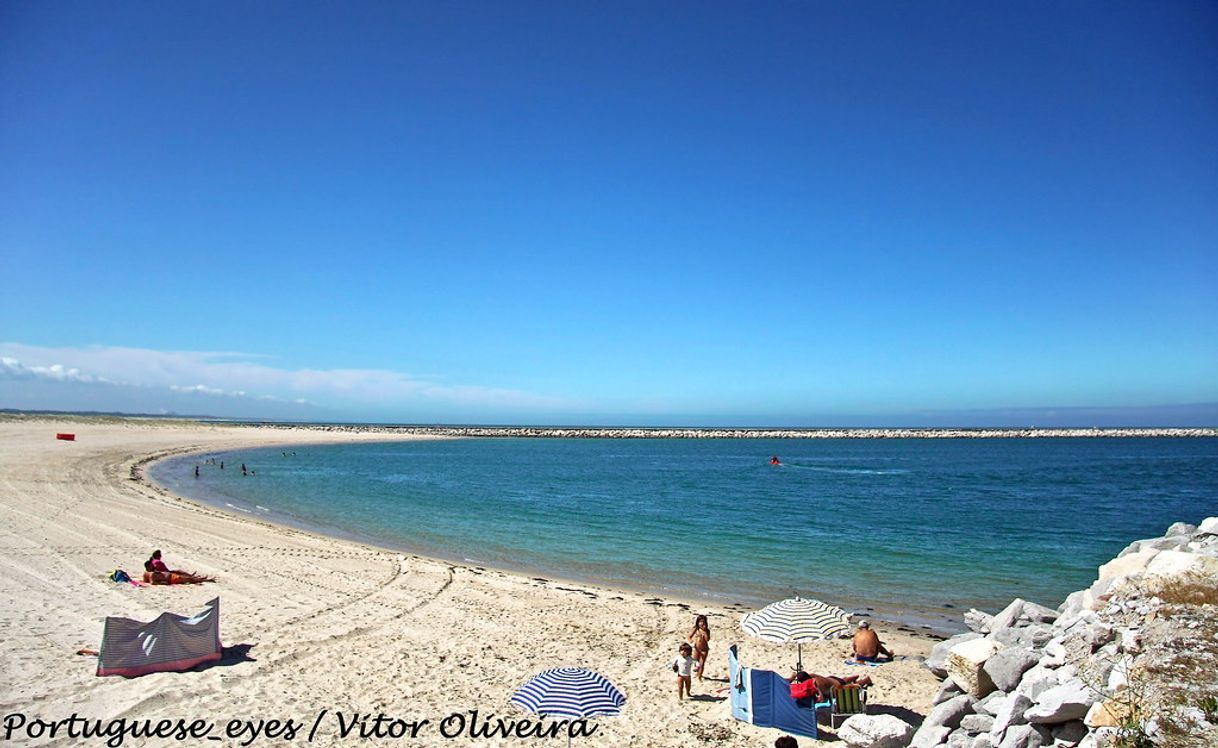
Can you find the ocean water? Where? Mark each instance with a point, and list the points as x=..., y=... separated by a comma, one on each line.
x=917, y=530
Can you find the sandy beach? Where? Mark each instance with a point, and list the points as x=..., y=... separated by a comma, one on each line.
x=312, y=623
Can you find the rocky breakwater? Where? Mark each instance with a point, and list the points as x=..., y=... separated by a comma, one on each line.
x=1131, y=661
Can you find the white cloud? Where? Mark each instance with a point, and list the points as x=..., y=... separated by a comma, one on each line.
x=237, y=375
x=201, y=389
x=11, y=368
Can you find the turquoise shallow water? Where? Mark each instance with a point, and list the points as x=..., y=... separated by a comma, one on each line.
x=916, y=528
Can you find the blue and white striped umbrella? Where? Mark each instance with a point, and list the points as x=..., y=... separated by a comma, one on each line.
x=573, y=692
x=796, y=620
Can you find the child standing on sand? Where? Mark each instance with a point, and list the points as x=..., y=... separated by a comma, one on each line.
x=700, y=639
x=682, y=665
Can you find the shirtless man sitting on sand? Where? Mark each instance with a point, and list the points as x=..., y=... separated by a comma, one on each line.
x=867, y=645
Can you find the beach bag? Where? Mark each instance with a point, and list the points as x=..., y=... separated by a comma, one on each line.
x=118, y=575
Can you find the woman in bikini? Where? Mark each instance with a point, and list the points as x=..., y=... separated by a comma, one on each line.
x=156, y=572
x=822, y=686
x=700, y=639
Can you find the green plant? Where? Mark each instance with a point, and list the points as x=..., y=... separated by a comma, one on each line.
x=1209, y=705
x=1131, y=733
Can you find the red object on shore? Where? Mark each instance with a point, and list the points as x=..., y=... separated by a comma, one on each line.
x=66, y=437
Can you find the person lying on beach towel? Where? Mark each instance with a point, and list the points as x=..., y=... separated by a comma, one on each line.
x=156, y=572
x=174, y=577
x=868, y=647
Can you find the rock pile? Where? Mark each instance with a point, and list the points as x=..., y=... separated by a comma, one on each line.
x=1132, y=658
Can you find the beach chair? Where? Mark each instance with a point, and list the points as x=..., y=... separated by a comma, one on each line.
x=845, y=701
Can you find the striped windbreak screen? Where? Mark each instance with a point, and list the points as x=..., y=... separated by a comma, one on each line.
x=171, y=642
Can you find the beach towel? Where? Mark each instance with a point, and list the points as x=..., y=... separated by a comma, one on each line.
x=169, y=643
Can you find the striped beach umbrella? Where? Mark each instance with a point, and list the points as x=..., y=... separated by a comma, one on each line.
x=572, y=692
x=796, y=620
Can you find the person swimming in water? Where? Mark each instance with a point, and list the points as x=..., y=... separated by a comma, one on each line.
x=775, y=461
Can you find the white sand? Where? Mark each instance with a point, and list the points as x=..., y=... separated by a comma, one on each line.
x=331, y=624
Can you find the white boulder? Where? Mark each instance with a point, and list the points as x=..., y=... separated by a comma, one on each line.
x=1036, y=681
x=936, y=662
x=1063, y=703
x=1172, y=563
x=990, y=704
x=1055, y=654
x=1026, y=736
x=1005, y=668
x=978, y=620
x=1075, y=602
x=875, y=731
x=950, y=712
x=929, y=736
x=1007, y=617
x=1180, y=528
x=1134, y=563
x=1024, y=635
x=1010, y=714
x=966, y=665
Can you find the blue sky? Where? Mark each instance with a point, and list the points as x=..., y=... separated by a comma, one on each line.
x=671, y=213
